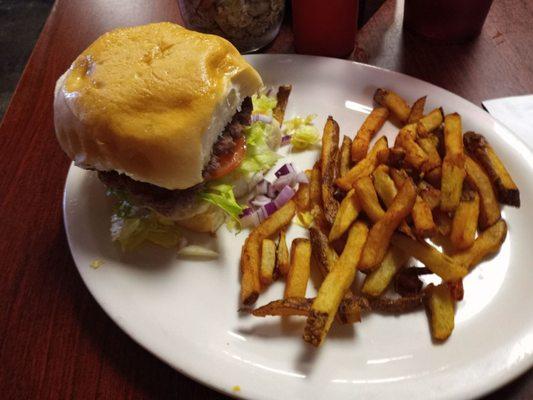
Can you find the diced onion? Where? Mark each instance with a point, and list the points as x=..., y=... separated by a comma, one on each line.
x=285, y=170
x=284, y=196
x=197, y=251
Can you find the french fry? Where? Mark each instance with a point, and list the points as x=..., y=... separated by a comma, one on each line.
x=282, y=98
x=302, y=195
x=302, y=306
x=372, y=124
x=489, y=212
x=348, y=211
x=421, y=213
x=251, y=251
x=384, y=185
x=396, y=158
x=282, y=255
x=506, y=189
x=453, y=169
x=378, y=280
x=429, y=145
x=334, y=287
x=368, y=198
x=268, y=261
x=457, y=290
x=429, y=193
x=380, y=234
x=299, y=269
x=424, y=226
x=396, y=105
x=414, y=154
x=434, y=177
x=443, y=221
x=489, y=241
x=364, y=167
x=328, y=160
x=396, y=305
x=464, y=224
x=441, y=264
x=315, y=197
x=441, y=310
x=344, y=158
x=285, y=307
x=350, y=310
x=417, y=110
x=430, y=122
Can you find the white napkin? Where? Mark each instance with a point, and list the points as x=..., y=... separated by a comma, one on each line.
x=516, y=113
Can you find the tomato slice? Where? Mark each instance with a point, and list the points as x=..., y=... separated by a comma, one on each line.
x=230, y=161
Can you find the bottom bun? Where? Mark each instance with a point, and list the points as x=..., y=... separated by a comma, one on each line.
x=207, y=221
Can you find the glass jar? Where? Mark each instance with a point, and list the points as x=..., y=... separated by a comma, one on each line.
x=248, y=24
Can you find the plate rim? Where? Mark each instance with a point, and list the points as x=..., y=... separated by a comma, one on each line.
x=499, y=380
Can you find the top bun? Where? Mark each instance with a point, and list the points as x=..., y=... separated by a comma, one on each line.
x=150, y=101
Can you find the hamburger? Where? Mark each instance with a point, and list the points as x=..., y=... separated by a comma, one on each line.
x=163, y=115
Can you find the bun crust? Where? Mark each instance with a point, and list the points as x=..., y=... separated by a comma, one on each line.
x=150, y=101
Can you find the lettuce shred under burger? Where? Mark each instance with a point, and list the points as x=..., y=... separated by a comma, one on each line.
x=132, y=226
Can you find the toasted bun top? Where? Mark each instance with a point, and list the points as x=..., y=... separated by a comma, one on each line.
x=150, y=101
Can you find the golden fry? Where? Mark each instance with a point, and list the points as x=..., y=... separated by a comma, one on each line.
x=506, y=189
x=302, y=195
x=251, y=252
x=489, y=212
x=430, y=122
x=429, y=193
x=424, y=226
x=441, y=264
x=414, y=154
x=348, y=211
x=282, y=98
x=384, y=185
x=380, y=234
x=443, y=221
x=299, y=270
x=364, y=167
x=372, y=124
x=453, y=169
x=282, y=255
x=334, y=287
x=344, y=161
x=429, y=146
x=315, y=197
x=464, y=224
x=378, y=280
x=268, y=262
x=328, y=161
x=368, y=199
x=417, y=110
x=396, y=105
x=441, y=310
x=489, y=241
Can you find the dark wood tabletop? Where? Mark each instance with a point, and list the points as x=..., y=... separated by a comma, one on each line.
x=55, y=341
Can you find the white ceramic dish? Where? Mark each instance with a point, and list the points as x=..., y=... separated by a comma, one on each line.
x=185, y=312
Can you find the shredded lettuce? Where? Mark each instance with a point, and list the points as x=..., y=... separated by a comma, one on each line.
x=222, y=196
x=131, y=226
x=132, y=232
x=259, y=155
x=263, y=104
x=303, y=132
x=197, y=251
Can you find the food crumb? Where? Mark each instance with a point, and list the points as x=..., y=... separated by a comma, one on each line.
x=236, y=388
x=96, y=264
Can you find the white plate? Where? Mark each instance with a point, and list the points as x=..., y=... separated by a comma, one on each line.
x=185, y=312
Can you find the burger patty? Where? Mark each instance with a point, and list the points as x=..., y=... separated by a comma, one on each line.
x=181, y=201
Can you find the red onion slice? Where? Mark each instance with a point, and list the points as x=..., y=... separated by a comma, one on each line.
x=284, y=196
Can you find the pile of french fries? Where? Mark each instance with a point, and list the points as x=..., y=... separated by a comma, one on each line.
x=373, y=209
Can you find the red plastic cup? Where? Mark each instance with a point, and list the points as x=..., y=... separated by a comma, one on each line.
x=325, y=28
x=446, y=21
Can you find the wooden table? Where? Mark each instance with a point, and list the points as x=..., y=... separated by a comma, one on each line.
x=55, y=341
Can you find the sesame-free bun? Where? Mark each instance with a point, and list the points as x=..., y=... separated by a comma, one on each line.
x=150, y=101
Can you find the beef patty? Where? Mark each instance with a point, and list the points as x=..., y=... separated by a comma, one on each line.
x=181, y=201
